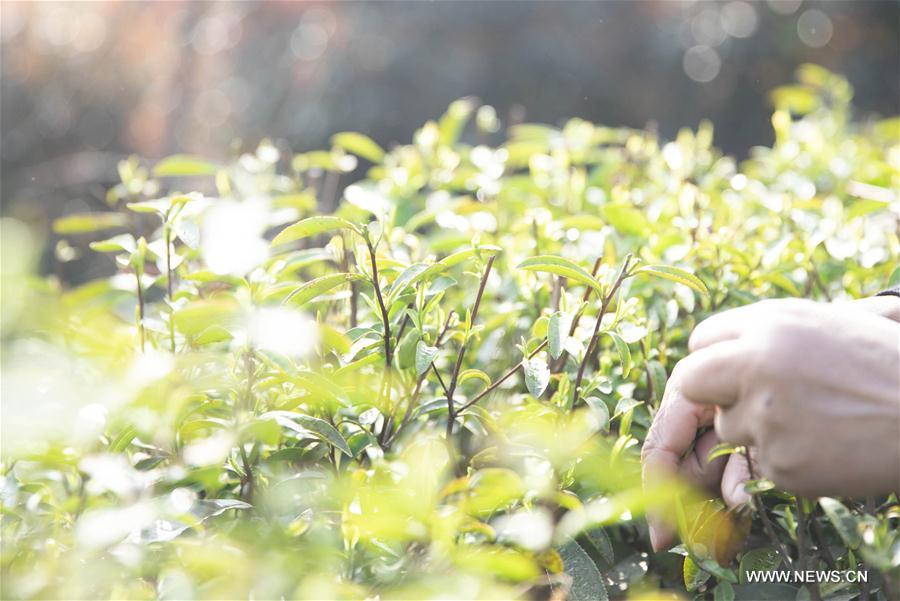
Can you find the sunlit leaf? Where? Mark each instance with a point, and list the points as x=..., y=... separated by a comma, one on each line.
x=358, y=144
x=452, y=260
x=843, y=521
x=587, y=582
x=764, y=559
x=83, y=223
x=676, y=275
x=424, y=356
x=312, y=226
x=537, y=376
x=302, y=424
x=562, y=267
x=623, y=350
x=694, y=577
x=558, y=332
x=313, y=288
x=184, y=165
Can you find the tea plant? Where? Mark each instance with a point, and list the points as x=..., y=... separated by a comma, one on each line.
x=436, y=385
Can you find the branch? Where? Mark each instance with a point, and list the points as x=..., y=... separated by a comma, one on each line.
x=503, y=378
x=802, y=557
x=415, y=395
x=440, y=380
x=454, y=378
x=623, y=273
x=384, y=312
x=140, y=297
x=558, y=363
x=761, y=510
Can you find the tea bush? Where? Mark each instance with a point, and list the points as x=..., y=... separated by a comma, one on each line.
x=438, y=386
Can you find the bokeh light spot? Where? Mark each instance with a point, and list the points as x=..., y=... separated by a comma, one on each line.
x=701, y=63
x=814, y=28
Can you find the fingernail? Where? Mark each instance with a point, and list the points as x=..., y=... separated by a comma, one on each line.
x=654, y=539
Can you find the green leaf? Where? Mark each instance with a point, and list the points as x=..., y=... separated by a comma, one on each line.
x=558, y=332
x=657, y=377
x=797, y=99
x=402, y=282
x=321, y=388
x=452, y=122
x=757, y=486
x=84, y=223
x=722, y=449
x=562, y=267
x=303, y=424
x=180, y=165
x=783, y=282
x=313, y=288
x=451, y=261
x=312, y=226
x=162, y=206
x=764, y=592
x=764, y=559
x=361, y=440
x=199, y=315
x=694, y=576
x=210, y=508
x=537, y=376
x=120, y=243
x=121, y=441
x=625, y=218
x=623, y=350
x=894, y=279
x=843, y=521
x=474, y=374
x=424, y=356
x=600, y=410
x=724, y=592
x=587, y=582
x=358, y=144
x=625, y=405
x=601, y=542
x=675, y=274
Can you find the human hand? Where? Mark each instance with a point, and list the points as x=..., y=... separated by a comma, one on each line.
x=794, y=353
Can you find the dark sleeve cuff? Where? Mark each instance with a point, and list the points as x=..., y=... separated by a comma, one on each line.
x=895, y=291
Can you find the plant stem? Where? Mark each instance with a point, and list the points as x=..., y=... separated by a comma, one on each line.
x=761, y=510
x=384, y=312
x=246, y=494
x=454, y=378
x=502, y=378
x=440, y=380
x=644, y=355
x=864, y=593
x=390, y=437
x=821, y=545
x=140, y=295
x=387, y=381
x=802, y=557
x=354, y=290
x=623, y=273
x=170, y=284
x=558, y=363
x=168, y=237
x=817, y=279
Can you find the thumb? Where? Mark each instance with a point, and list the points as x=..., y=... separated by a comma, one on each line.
x=734, y=477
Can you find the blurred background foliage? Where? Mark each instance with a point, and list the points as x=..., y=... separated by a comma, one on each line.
x=435, y=382
x=190, y=411
x=85, y=83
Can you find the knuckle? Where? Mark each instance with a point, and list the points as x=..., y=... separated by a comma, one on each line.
x=780, y=463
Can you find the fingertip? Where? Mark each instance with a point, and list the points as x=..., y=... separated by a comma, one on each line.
x=660, y=537
x=736, y=496
x=733, y=480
